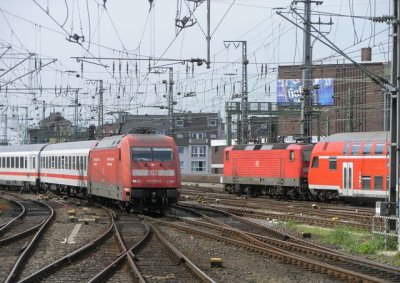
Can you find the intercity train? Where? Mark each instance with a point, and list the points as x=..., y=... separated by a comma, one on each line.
x=135, y=171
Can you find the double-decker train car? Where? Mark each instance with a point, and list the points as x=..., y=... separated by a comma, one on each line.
x=139, y=170
x=267, y=169
x=350, y=165
x=136, y=171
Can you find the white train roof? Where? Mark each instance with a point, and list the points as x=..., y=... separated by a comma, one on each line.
x=70, y=146
x=109, y=142
x=22, y=148
x=359, y=137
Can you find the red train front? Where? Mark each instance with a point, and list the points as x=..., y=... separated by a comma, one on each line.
x=137, y=171
x=271, y=169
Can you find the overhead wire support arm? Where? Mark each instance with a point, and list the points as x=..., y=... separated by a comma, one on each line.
x=38, y=69
x=382, y=82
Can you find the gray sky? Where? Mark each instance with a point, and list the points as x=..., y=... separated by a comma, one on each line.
x=130, y=29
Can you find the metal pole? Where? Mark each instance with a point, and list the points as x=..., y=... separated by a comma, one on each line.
x=306, y=103
x=76, y=116
x=170, y=100
x=101, y=109
x=26, y=126
x=208, y=32
x=394, y=197
x=244, y=101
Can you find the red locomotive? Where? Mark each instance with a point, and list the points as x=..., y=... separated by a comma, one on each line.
x=354, y=165
x=136, y=171
x=269, y=169
x=347, y=165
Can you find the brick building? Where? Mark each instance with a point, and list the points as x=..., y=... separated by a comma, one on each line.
x=357, y=105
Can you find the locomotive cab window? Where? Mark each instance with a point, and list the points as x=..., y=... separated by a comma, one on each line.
x=162, y=154
x=227, y=156
x=315, y=162
x=141, y=153
x=291, y=155
x=151, y=154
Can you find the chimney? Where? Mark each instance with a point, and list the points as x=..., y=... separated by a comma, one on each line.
x=366, y=54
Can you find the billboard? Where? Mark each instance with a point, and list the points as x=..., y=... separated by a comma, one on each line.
x=289, y=92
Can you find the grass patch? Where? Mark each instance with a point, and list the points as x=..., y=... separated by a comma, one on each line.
x=348, y=239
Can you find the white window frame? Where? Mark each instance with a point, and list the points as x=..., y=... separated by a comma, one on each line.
x=199, y=151
x=196, y=169
x=179, y=123
x=212, y=123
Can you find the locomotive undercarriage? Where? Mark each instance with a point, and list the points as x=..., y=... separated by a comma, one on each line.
x=153, y=200
x=278, y=192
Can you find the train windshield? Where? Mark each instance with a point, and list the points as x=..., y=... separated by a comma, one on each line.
x=151, y=154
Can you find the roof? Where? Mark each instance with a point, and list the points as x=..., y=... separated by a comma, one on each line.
x=22, y=148
x=359, y=137
x=71, y=145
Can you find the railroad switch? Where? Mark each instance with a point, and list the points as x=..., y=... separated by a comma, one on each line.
x=71, y=212
x=72, y=218
x=216, y=262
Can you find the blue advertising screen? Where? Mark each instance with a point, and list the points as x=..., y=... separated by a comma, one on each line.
x=289, y=92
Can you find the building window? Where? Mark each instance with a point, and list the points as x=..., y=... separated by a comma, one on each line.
x=179, y=136
x=332, y=163
x=212, y=123
x=179, y=123
x=199, y=151
x=213, y=136
x=198, y=166
x=181, y=149
x=182, y=163
x=198, y=136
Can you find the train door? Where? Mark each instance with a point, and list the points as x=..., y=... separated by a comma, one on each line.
x=347, y=178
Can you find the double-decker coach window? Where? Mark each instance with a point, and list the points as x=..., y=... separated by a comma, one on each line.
x=367, y=148
x=162, y=154
x=355, y=149
x=379, y=148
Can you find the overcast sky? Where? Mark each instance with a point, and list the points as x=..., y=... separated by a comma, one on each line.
x=134, y=29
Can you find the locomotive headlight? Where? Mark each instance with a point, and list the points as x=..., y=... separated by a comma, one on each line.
x=135, y=180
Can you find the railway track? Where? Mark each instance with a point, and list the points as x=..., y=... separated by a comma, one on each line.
x=21, y=236
x=306, y=213
x=288, y=248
